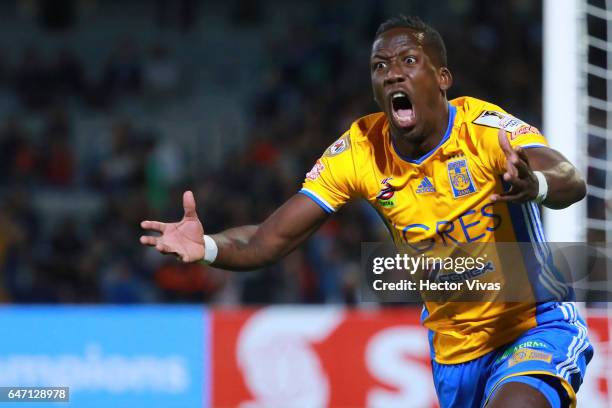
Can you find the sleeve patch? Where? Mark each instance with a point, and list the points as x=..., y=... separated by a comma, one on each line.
x=499, y=120
x=316, y=170
x=339, y=146
x=523, y=130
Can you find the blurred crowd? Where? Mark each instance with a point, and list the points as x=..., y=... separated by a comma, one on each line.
x=70, y=214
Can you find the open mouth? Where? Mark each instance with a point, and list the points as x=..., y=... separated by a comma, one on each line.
x=402, y=109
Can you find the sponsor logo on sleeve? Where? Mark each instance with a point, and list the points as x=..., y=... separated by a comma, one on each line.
x=524, y=130
x=499, y=120
x=316, y=170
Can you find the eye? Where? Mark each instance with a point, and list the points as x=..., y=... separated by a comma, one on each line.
x=410, y=60
x=377, y=66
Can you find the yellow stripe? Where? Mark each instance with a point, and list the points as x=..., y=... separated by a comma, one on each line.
x=568, y=388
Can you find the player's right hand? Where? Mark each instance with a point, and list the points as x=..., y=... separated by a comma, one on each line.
x=185, y=238
x=520, y=176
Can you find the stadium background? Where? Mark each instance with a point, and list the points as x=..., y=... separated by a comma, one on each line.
x=110, y=109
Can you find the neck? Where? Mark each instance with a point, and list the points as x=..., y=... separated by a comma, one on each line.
x=415, y=145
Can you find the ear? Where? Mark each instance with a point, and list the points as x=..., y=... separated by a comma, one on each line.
x=445, y=79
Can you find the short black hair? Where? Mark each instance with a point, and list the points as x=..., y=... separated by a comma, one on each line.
x=433, y=39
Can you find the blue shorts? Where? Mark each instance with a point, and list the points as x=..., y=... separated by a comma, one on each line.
x=551, y=357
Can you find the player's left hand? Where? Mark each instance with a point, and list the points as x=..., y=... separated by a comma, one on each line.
x=523, y=183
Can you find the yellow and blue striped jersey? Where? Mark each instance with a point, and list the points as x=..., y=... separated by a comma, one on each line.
x=442, y=197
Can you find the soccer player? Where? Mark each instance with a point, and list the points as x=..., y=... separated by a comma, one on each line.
x=450, y=171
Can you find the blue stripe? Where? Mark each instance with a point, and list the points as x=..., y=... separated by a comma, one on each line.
x=531, y=146
x=548, y=262
x=518, y=222
x=424, y=314
x=541, y=308
x=546, y=277
x=451, y=119
x=316, y=199
x=430, y=333
x=584, y=344
x=531, y=258
x=568, y=290
x=538, y=219
x=569, y=365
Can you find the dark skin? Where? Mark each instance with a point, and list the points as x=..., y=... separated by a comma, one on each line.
x=400, y=60
x=515, y=394
x=565, y=185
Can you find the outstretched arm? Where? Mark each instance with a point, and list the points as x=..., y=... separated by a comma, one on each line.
x=252, y=246
x=240, y=248
x=565, y=185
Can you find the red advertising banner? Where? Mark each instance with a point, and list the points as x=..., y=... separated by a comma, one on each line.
x=335, y=357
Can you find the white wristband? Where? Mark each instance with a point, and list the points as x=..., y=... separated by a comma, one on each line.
x=542, y=187
x=210, y=250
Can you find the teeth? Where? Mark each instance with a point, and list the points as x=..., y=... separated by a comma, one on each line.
x=398, y=95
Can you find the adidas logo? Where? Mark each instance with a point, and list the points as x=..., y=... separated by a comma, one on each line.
x=425, y=187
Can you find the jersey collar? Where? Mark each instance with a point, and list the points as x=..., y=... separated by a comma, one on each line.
x=449, y=128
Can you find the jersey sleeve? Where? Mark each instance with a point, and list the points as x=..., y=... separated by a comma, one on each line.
x=518, y=133
x=332, y=180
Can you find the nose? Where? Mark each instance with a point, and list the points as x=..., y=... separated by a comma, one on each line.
x=394, y=75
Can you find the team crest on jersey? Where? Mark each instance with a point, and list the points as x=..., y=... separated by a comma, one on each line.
x=460, y=178
x=386, y=196
x=499, y=120
x=316, y=170
x=338, y=146
x=425, y=187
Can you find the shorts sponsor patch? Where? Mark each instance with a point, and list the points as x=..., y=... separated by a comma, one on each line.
x=316, y=170
x=528, y=354
x=526, y=344
x=499, y=120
